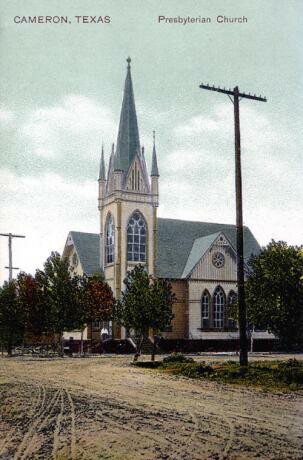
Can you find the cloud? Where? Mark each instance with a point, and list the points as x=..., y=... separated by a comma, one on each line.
x=197, y=175
x=6, y=117
x=44, y=209
x=196, y=164
x=76, y=123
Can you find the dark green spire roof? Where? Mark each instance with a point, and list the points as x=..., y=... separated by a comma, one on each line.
x=154, y=170
x=128, y=143
x=102, y=166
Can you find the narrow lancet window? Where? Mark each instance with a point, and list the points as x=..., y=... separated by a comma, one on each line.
x=110, y=241
x=218, y=307
x=205, y=310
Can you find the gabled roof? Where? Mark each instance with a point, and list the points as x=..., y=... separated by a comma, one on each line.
x=176, y=239
x=87, y=246
x=199, y=248
x=128, y=143
x=177, y=242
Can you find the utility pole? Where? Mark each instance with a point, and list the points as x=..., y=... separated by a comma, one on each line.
x=10, y=253
x=235, y=96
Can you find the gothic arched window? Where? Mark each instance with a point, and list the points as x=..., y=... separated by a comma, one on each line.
x=218, y=307
x=110, y=240
x=205, y=301
x=136, y=238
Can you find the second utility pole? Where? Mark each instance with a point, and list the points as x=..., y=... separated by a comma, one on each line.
x=239, y=214
x=10, y=253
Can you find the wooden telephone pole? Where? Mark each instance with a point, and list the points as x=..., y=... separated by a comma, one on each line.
x=235, y=97
x=10, y=253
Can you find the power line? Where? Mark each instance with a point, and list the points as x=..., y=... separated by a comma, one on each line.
x=10, y=253
x=235, y=96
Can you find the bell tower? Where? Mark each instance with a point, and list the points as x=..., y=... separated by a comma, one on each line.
x=128, y=200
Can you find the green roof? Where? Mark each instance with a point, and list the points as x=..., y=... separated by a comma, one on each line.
x=180, y=242
x=199, y=248
x=176, y=239
x=88, y=249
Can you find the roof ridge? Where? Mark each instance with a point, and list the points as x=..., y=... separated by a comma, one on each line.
x=84, y=233
x=197, y=221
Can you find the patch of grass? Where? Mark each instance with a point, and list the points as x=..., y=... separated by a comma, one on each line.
x=177, y=358
x=269, y=375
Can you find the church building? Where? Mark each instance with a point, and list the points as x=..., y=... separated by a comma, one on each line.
x=198, y=258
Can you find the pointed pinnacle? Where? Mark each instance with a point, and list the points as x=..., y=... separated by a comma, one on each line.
x=154, y=170
x=102, y=165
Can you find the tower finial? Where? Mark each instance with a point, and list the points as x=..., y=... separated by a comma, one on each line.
x=102, y=165
x=128, y=60
x=154, y=171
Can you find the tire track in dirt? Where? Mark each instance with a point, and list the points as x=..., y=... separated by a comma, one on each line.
x=48, y=419
x=231, y=436
x=73, y=426
x=169, y=442
x=27, y=444
x=176, y=453
x=145, y=415
x=35, y=404
x=110, y=423
x=57, y=427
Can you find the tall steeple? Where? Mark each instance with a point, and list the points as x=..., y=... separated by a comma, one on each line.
x=102, y=166
x=154, y=170
x=128, y=143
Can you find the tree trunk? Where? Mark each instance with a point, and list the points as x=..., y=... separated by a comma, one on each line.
x=61, y=351
x=81, y=343
x=138, y=352
x=252, y=339
x=154, y=348
x=10, y=346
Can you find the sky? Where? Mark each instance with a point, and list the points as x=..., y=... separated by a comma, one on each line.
x=61, y=90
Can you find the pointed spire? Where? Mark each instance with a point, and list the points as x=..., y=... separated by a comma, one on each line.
x=128, y=143
x=102, y=166
x=154, y=170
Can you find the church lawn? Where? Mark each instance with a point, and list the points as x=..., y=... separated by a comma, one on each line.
x=270, y=375
x=104, y=408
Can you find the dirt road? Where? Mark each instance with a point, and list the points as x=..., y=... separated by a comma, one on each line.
x=101, y=408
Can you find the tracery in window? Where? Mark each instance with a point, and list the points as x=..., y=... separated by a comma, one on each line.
x=205, y=301
x=110, y=240
x=136, y=238
x=218, y=307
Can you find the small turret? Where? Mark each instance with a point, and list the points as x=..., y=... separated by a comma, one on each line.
x=155, y=174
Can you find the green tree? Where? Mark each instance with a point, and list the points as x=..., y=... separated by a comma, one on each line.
x=60, y=296
x=12, y=316
x=145, y=304
x=274, y=292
